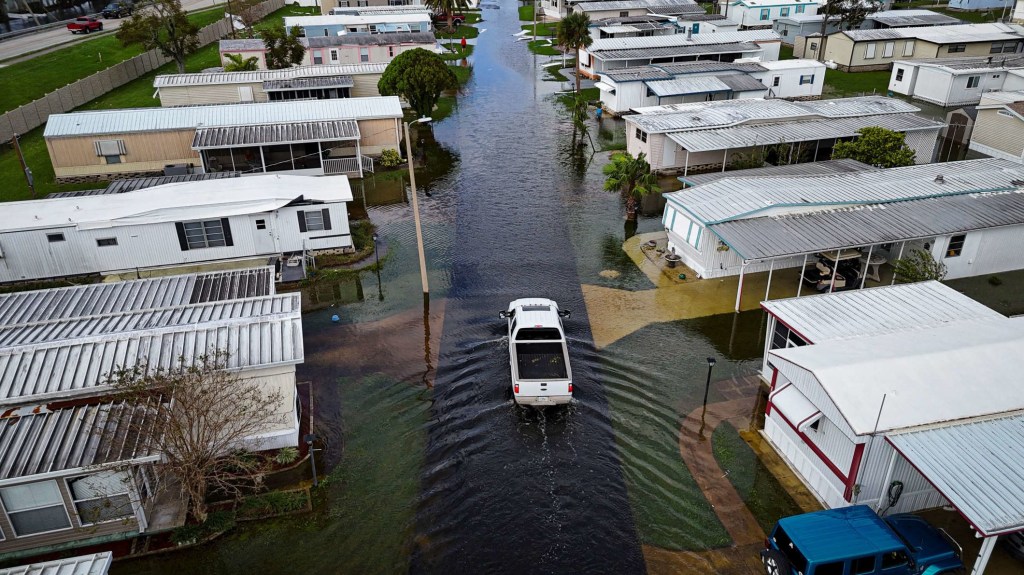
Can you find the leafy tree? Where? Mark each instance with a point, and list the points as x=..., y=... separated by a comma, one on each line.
x=574, y=34
x=850, y=13
x=239, y=63
x=419, y=76
x=918, y=266
x=632, y=178
x=162, y=25
x=877, y=147
x=284, y=49
x=580, y=113
x=202, y=419
x=448, y=8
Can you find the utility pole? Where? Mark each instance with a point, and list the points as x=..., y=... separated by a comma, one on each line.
x=535, y=20
x=24, y=167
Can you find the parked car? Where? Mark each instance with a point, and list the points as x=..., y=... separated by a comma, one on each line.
x=856, y=540
x=117, y=10
x=84, y=24
x=537, y=352
x=442, y=18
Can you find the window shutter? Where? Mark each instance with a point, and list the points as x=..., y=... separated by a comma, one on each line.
x=226, y=225
x=327, y=218
x=302, y=220
x=182, y=241
x=96, y=144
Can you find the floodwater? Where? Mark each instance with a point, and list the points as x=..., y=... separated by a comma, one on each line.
x=432, y=468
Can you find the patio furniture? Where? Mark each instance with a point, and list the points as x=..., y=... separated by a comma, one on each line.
x=878, y=259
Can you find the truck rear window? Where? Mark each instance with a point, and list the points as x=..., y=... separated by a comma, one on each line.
x=538, y=333
x=540, y=361
x=785, y=544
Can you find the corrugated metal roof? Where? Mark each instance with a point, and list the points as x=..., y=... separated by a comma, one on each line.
x=299, y=132
x=388, y=39
x=1002, y=61
x=40, y=372
x=686, y=85
x=956, y=34
x=175, y=202
x=673, y=51
x=668, y=71
x=896, y=18
x=241, y=45
x=132, y=120
x=768, y=237
x=977, y=465
x=354, y=19
x=604, y=5
x=796, y=131
x=636, y=74
x=724, y=113
x=742, y=83
x=255, y=76
x=926, y=379
x=698, y=17
x=75, y=438
x=95, y=564
x=734, y=198
x=674, y=40
x=804, y=169
x=63, y=329
x=136, y=295
x=307, y=83
x=887, y=309
x=407, y=8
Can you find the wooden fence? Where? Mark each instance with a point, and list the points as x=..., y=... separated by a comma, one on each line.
x=34, y=114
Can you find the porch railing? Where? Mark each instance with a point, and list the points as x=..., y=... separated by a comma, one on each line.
x=334, y=166
x=367, y=163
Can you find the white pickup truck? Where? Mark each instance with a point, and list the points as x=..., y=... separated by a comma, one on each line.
x=537, y=352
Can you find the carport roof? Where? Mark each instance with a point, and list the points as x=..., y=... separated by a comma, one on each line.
x=977, y=465
x=298, y=132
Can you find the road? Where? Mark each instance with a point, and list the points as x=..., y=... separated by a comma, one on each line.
x=59, y=37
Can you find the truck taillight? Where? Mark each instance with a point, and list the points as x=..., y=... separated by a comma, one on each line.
x=515, y=388
x=570, y=388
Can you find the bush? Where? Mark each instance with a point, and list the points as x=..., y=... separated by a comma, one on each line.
x=216, y=522
x=273, y=503
x=286, y=455
x=389, y=158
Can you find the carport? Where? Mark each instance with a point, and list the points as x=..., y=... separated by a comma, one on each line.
x=978, y=466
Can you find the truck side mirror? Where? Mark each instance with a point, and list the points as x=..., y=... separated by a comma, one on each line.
x=564, y=313
x=503, y=314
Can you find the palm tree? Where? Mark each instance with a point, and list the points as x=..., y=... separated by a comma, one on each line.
x=574, y=34
x=632, y=178
x=448, y=8
x=240, y=64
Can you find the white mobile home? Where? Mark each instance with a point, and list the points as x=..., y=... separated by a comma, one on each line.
x=956, y=82
x=754, y=14
x=710, y=135
x=328, y=81
x=999, y=128
x=598, y=9
x=174, y=225
x=968, y=215
x=336, y=25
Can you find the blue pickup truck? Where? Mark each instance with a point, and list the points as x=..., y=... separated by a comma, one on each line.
x=856, y=541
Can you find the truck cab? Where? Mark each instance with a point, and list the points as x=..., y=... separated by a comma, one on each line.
x=856, y=541
x=538, y=355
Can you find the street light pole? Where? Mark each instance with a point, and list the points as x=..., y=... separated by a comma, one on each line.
x=310, y=438
x=707, y=386
x=416, y=207
x=380, y=287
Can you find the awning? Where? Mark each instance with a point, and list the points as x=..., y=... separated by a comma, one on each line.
x=315, y=82
x=604, y=87
x=262, y=134
x=978, y=466
x=794, y=407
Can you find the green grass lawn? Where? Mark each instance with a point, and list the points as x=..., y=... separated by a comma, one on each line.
x=276, y=18
x=460, y=32
x=543, y=48
x=31, y=79
x=526, y=12
x=139, y=92
x=843, y=84
x=970, y=17
x=785, y=52
x=543, y=28
x=456, y=52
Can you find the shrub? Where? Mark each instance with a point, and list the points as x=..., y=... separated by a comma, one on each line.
x=389, y=158
x=286, y=455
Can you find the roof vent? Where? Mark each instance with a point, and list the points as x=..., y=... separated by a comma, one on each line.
x=939, y=179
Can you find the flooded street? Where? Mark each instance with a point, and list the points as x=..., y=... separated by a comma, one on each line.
x=432, y=467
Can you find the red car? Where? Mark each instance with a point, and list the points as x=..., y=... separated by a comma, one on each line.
x=84, y=25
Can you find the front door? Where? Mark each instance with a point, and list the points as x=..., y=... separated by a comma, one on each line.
x=264, y=233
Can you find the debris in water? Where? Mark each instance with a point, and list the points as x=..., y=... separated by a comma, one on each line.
x=610, y=274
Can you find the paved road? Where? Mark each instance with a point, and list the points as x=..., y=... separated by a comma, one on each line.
x=59, y=37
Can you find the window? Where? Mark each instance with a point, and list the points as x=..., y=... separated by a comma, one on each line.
x=391, y=51
x=765, y=12
x=107, y=148
x=334, y=55
x=624, y=14
x=784, y=12
x=35, y=508
x=112, y=159
x=641, y=135
x=101, y=497
x=956, y=246
x=785, y=31
x=53, y=238
x=362, y=3
x=776, y=81
x=800, y=9
x=829, y=568
x=204, y=234
x=364, y=54
x=869, y=51
x=894, y=559
x=789, y=549
x=887, y=49
x=343, y=4
x=695, y=28
x=973, y=81
x=908, y=48
x=814, y=46
x=314, y=220
x=650, y=93
x=325, y=32
x=106, y=242
x=899, y=74
x=1003, y=47
x=261, y=224
x=318, y=57
x=862, y=565
x=956, y=48
x=806, y=79
x=783, y=337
